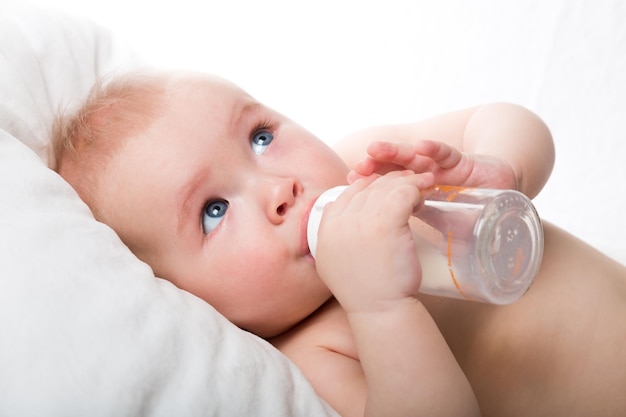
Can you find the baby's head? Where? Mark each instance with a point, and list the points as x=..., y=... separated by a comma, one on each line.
x=206, y=185
x=115, y=109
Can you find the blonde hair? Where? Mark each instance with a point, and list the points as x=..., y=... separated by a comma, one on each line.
x=115, y=109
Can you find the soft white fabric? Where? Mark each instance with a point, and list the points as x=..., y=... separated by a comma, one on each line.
x=86, y=329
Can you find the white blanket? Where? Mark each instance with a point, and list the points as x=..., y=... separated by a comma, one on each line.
x=86, y=329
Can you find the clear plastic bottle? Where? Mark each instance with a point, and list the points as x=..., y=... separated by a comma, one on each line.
x=473, y=244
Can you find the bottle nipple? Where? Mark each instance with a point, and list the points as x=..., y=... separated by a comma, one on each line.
x=315, y=216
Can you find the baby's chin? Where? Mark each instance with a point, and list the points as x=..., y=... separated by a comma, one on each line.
x=278, y=324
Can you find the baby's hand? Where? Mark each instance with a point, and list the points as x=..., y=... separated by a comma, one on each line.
x=366, y=254
x=448, y=165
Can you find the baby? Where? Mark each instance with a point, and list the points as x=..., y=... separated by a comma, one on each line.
x=212, y=189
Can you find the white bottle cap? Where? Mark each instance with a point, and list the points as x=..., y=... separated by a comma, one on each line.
x=317, y=210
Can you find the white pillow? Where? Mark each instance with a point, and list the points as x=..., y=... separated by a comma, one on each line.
x=86, y=328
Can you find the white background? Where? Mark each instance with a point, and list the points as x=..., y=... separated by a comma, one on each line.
x=336, y=66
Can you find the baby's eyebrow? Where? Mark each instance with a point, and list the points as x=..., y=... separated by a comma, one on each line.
x=249, y=108
x=185, y=196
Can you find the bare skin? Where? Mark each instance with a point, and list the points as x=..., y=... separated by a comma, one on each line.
x=557, y=351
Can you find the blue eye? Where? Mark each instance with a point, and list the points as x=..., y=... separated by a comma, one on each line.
x=213, y=213
x=260, y=141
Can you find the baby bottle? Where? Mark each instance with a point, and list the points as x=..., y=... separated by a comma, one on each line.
x=473, y=244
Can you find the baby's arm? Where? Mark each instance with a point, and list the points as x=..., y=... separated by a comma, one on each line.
x=366, y=255
x=495, y=145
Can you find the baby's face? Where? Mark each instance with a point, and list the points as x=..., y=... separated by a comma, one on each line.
x=215, y=197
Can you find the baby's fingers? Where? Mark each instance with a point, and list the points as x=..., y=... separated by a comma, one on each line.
x=396, y=194
x=400, y=154
x=442, y=154
x=369, y=166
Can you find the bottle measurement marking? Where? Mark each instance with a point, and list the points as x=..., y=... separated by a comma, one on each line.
x=456, y=283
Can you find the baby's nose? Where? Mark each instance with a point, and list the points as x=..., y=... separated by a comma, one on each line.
x=282, y=194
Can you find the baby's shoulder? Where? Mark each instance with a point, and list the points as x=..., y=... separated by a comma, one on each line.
x=323, y=348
